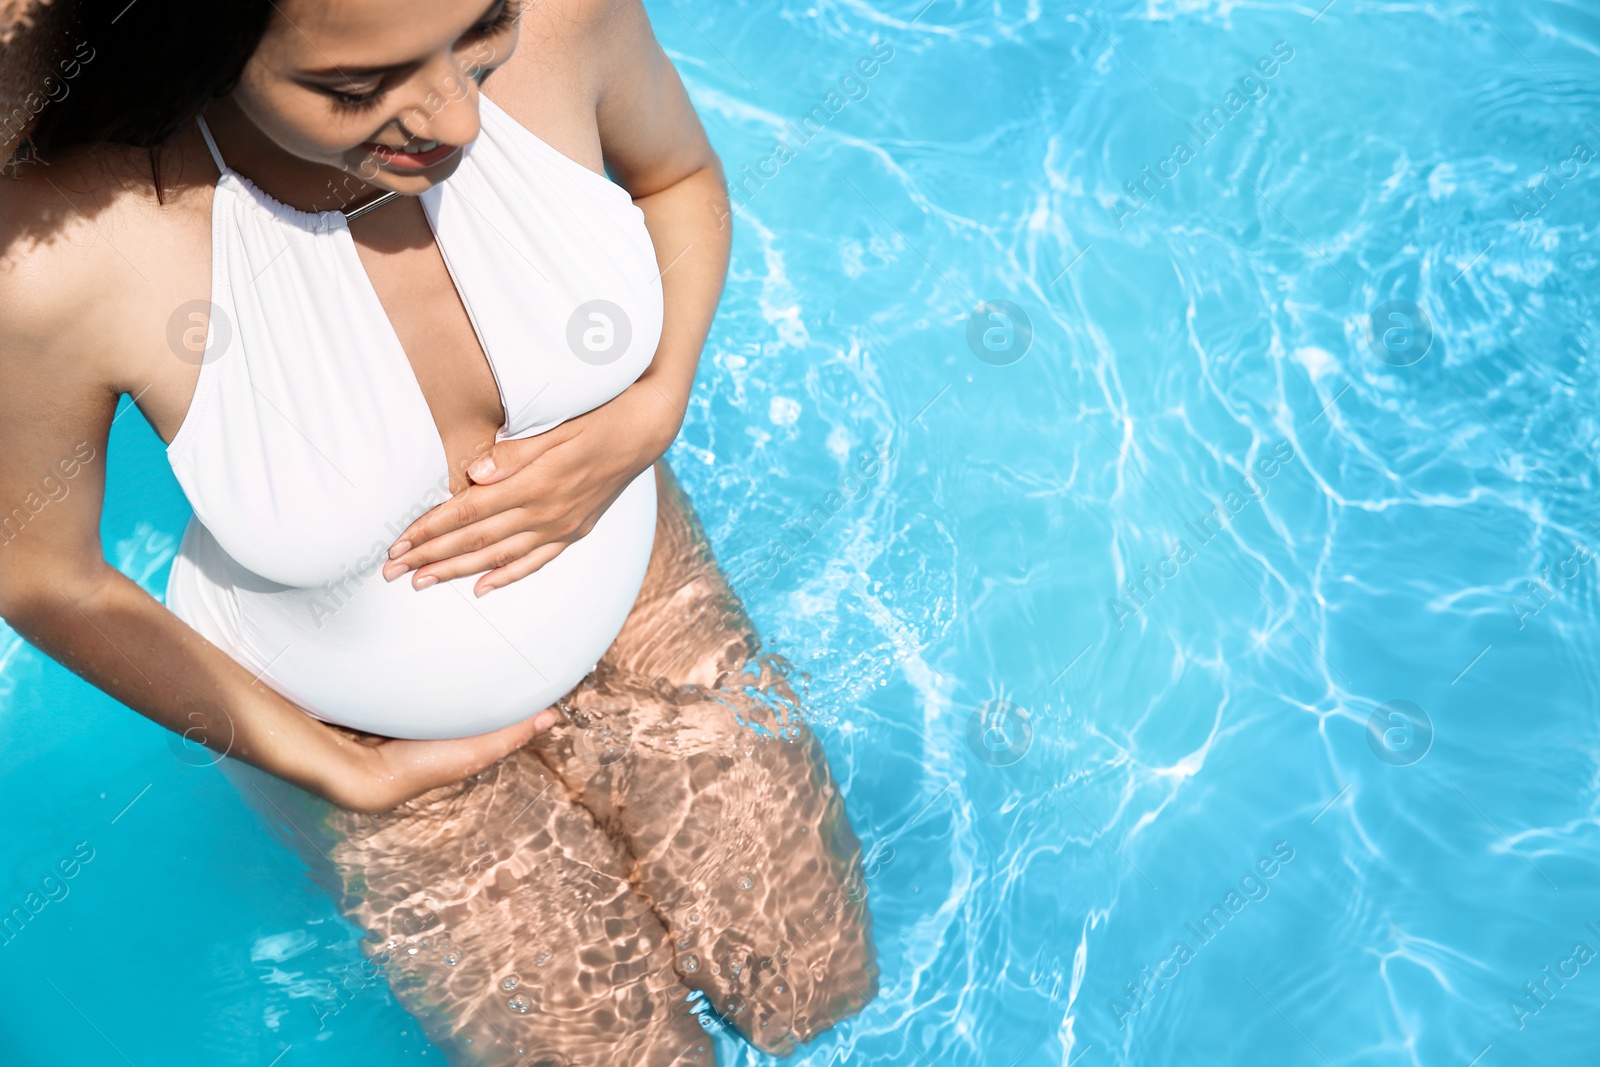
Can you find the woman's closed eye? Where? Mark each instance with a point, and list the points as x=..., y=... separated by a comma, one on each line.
x=355, y=100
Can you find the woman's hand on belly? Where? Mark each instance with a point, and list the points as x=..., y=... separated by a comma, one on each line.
x=378, y=773
x=535, y=496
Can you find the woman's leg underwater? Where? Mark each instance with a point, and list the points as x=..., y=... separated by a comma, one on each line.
x=503, y=919
x=690, y=750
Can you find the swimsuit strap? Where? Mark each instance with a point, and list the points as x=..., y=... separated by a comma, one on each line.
x=205, y=131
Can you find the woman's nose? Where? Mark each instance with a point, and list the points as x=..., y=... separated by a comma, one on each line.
x=446, y=108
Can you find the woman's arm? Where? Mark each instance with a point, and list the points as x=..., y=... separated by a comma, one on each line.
x=57, y=398
x=657, y=149
x=534, y=497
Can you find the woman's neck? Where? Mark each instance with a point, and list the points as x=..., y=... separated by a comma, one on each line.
x=300, y=183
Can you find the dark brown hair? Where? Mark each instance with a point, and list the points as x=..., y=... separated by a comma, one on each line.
x=115, y=72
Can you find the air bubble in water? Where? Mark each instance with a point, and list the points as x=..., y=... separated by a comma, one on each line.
x=509, y=982
x=520, y=1004
x=689, y=963
x=452, y=958
x=745, y=881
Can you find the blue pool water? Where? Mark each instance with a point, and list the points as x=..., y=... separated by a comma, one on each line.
x=1060, y=779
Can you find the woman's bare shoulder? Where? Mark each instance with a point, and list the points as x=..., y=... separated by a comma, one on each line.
x=78, y=237
x=56, y=219
x=561, y=41
x=575, y=19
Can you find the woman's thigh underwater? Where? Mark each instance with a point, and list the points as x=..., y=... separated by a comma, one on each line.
x=691, y=749
x=502, y=918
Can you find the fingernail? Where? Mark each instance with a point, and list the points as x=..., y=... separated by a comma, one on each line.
x=546, y=719
x=483, y=590
x=424, y=581
x=400, y=548
x=392, y=570
x=481, y=468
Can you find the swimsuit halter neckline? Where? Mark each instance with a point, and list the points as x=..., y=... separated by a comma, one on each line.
x=350, y=214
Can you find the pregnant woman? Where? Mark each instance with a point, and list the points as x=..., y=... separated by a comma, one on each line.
x=442, y=605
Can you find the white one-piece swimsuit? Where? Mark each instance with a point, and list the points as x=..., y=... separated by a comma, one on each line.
x=309, y=447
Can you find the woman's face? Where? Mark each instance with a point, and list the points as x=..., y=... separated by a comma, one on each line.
x=353, y=83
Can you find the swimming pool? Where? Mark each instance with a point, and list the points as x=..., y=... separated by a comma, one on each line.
x=1185, y=609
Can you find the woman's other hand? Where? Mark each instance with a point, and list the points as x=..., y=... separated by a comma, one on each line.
x=532, y=497
x=375, y=774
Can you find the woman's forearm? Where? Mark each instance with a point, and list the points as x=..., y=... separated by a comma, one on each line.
x=688, y=224
x=108, y=630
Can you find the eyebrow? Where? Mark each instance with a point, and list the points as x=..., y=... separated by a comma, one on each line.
x=388, y=68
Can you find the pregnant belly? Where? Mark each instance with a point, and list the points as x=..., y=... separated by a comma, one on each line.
x=439, y=662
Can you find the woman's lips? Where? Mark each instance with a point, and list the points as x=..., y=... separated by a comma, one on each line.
x=398, y=160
